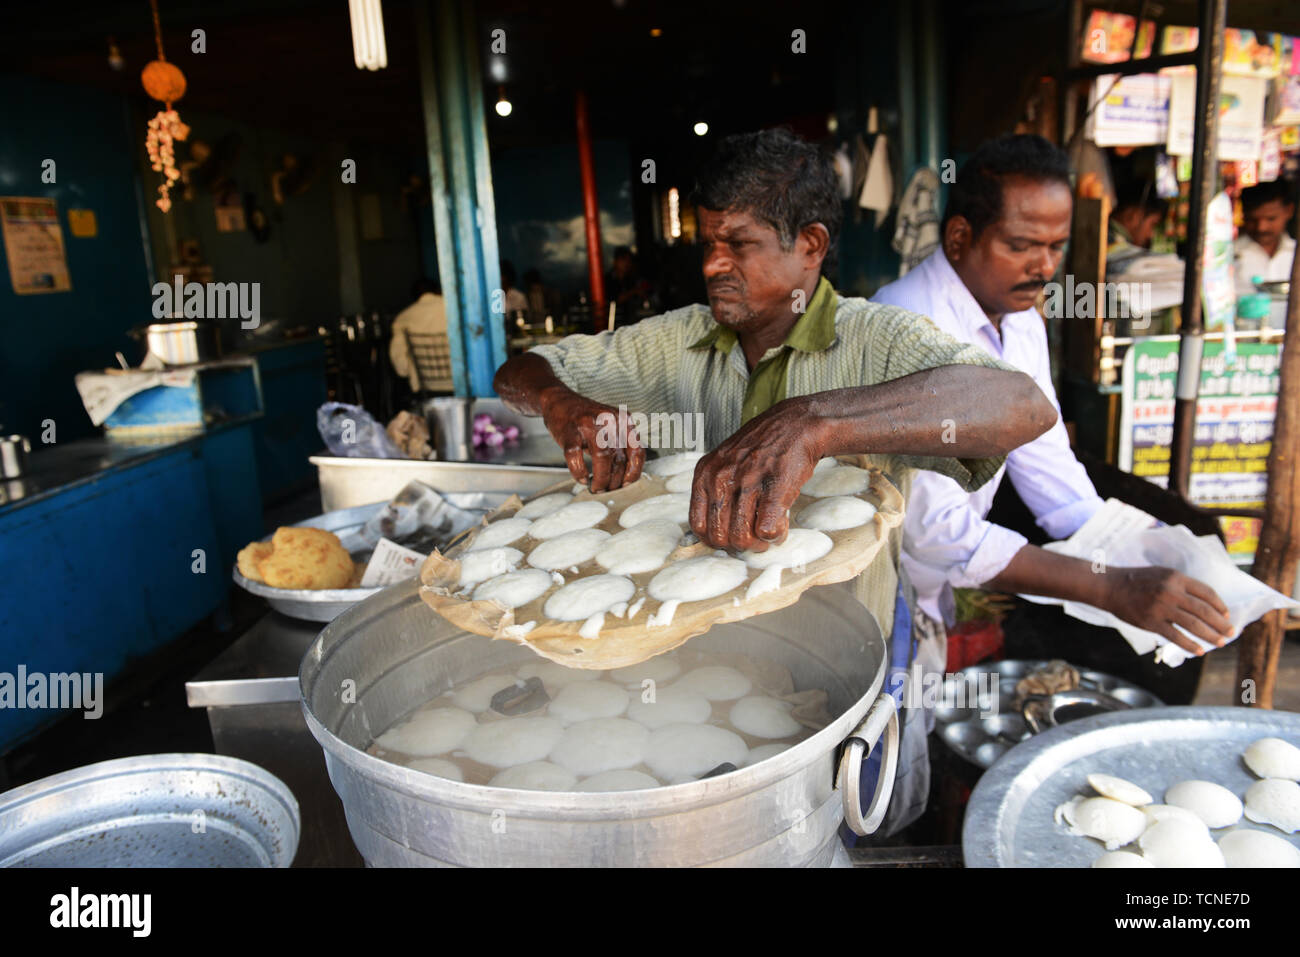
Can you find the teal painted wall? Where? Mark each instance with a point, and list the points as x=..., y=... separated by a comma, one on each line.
x=298, y=264
x=48, y=338
x=301, y=231
x=97, y=142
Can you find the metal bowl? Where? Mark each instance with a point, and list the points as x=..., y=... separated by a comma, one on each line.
x=326, y=604
x=316, y=604
x=981, y=725
x=157, y=810
x=395, y=653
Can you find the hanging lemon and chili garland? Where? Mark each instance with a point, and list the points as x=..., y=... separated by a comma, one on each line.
x=166, y=83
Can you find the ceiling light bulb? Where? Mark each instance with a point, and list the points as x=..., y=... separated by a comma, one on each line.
x=701, y=128
x=368, y=48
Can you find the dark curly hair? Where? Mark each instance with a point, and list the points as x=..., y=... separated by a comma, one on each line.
x=778, y=179
x=1252, y=197
x=977, y=194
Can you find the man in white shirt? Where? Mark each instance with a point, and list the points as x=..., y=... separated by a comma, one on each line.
x=1264, y=248
x=428, y=316
x=1004, y=233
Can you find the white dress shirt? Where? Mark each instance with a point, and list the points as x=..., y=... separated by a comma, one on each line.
x=947, y=543
x=1251, y=261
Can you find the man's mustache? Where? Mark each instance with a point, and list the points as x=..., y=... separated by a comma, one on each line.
x=717, y=285
x=1032, y=286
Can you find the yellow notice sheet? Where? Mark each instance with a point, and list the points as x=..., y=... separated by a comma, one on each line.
x=34, y=245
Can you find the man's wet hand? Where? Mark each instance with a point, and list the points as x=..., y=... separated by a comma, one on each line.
x=743, y=489
x=583, y=427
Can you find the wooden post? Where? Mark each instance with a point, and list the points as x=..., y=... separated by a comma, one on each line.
x=1082, y=335
x=1260, y=644
x=1205, y=152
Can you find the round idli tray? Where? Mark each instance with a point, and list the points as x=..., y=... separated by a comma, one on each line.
x=981, y=731
x=156, y=810
x=1009, y=817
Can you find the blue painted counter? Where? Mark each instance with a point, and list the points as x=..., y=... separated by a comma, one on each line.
x=292, y=378
x=110, y=550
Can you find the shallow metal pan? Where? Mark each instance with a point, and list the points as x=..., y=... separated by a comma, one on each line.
x=156, y=810
x=1009, y=817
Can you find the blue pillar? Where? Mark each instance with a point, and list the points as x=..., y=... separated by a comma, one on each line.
x=460, y=179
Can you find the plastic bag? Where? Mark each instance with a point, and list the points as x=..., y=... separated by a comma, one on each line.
x=352, y=432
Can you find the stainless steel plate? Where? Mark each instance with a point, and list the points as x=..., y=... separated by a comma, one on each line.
x=326, y=604
x=1009, y=817
x=981, y=731
x=157, y=810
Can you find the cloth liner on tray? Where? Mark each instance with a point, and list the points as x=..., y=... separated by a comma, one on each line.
x=1120, y=535
x=631, y=639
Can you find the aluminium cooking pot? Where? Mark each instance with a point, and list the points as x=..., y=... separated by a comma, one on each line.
x=183, y=342
x=389, y=654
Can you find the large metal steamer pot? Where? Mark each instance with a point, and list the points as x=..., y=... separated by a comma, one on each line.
x=390, y=653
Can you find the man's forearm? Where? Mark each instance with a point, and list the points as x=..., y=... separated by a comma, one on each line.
x=1156, y=599
x=1036, y=571
x=524, y=383
x=956, y=411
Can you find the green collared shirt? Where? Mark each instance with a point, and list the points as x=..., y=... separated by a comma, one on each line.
x=814, y=332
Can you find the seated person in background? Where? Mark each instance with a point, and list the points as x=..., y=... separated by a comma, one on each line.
x=516, y=301
x=624, y=286
x=1264, y=247
x=427, y=316
x=1003, y=236
x=540, y=298
x=1138, y=212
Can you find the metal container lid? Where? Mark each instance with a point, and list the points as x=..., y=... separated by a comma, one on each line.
x=156, y=810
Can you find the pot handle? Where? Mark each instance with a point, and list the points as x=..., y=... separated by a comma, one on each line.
x=1028, y=714
x=882, y=718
